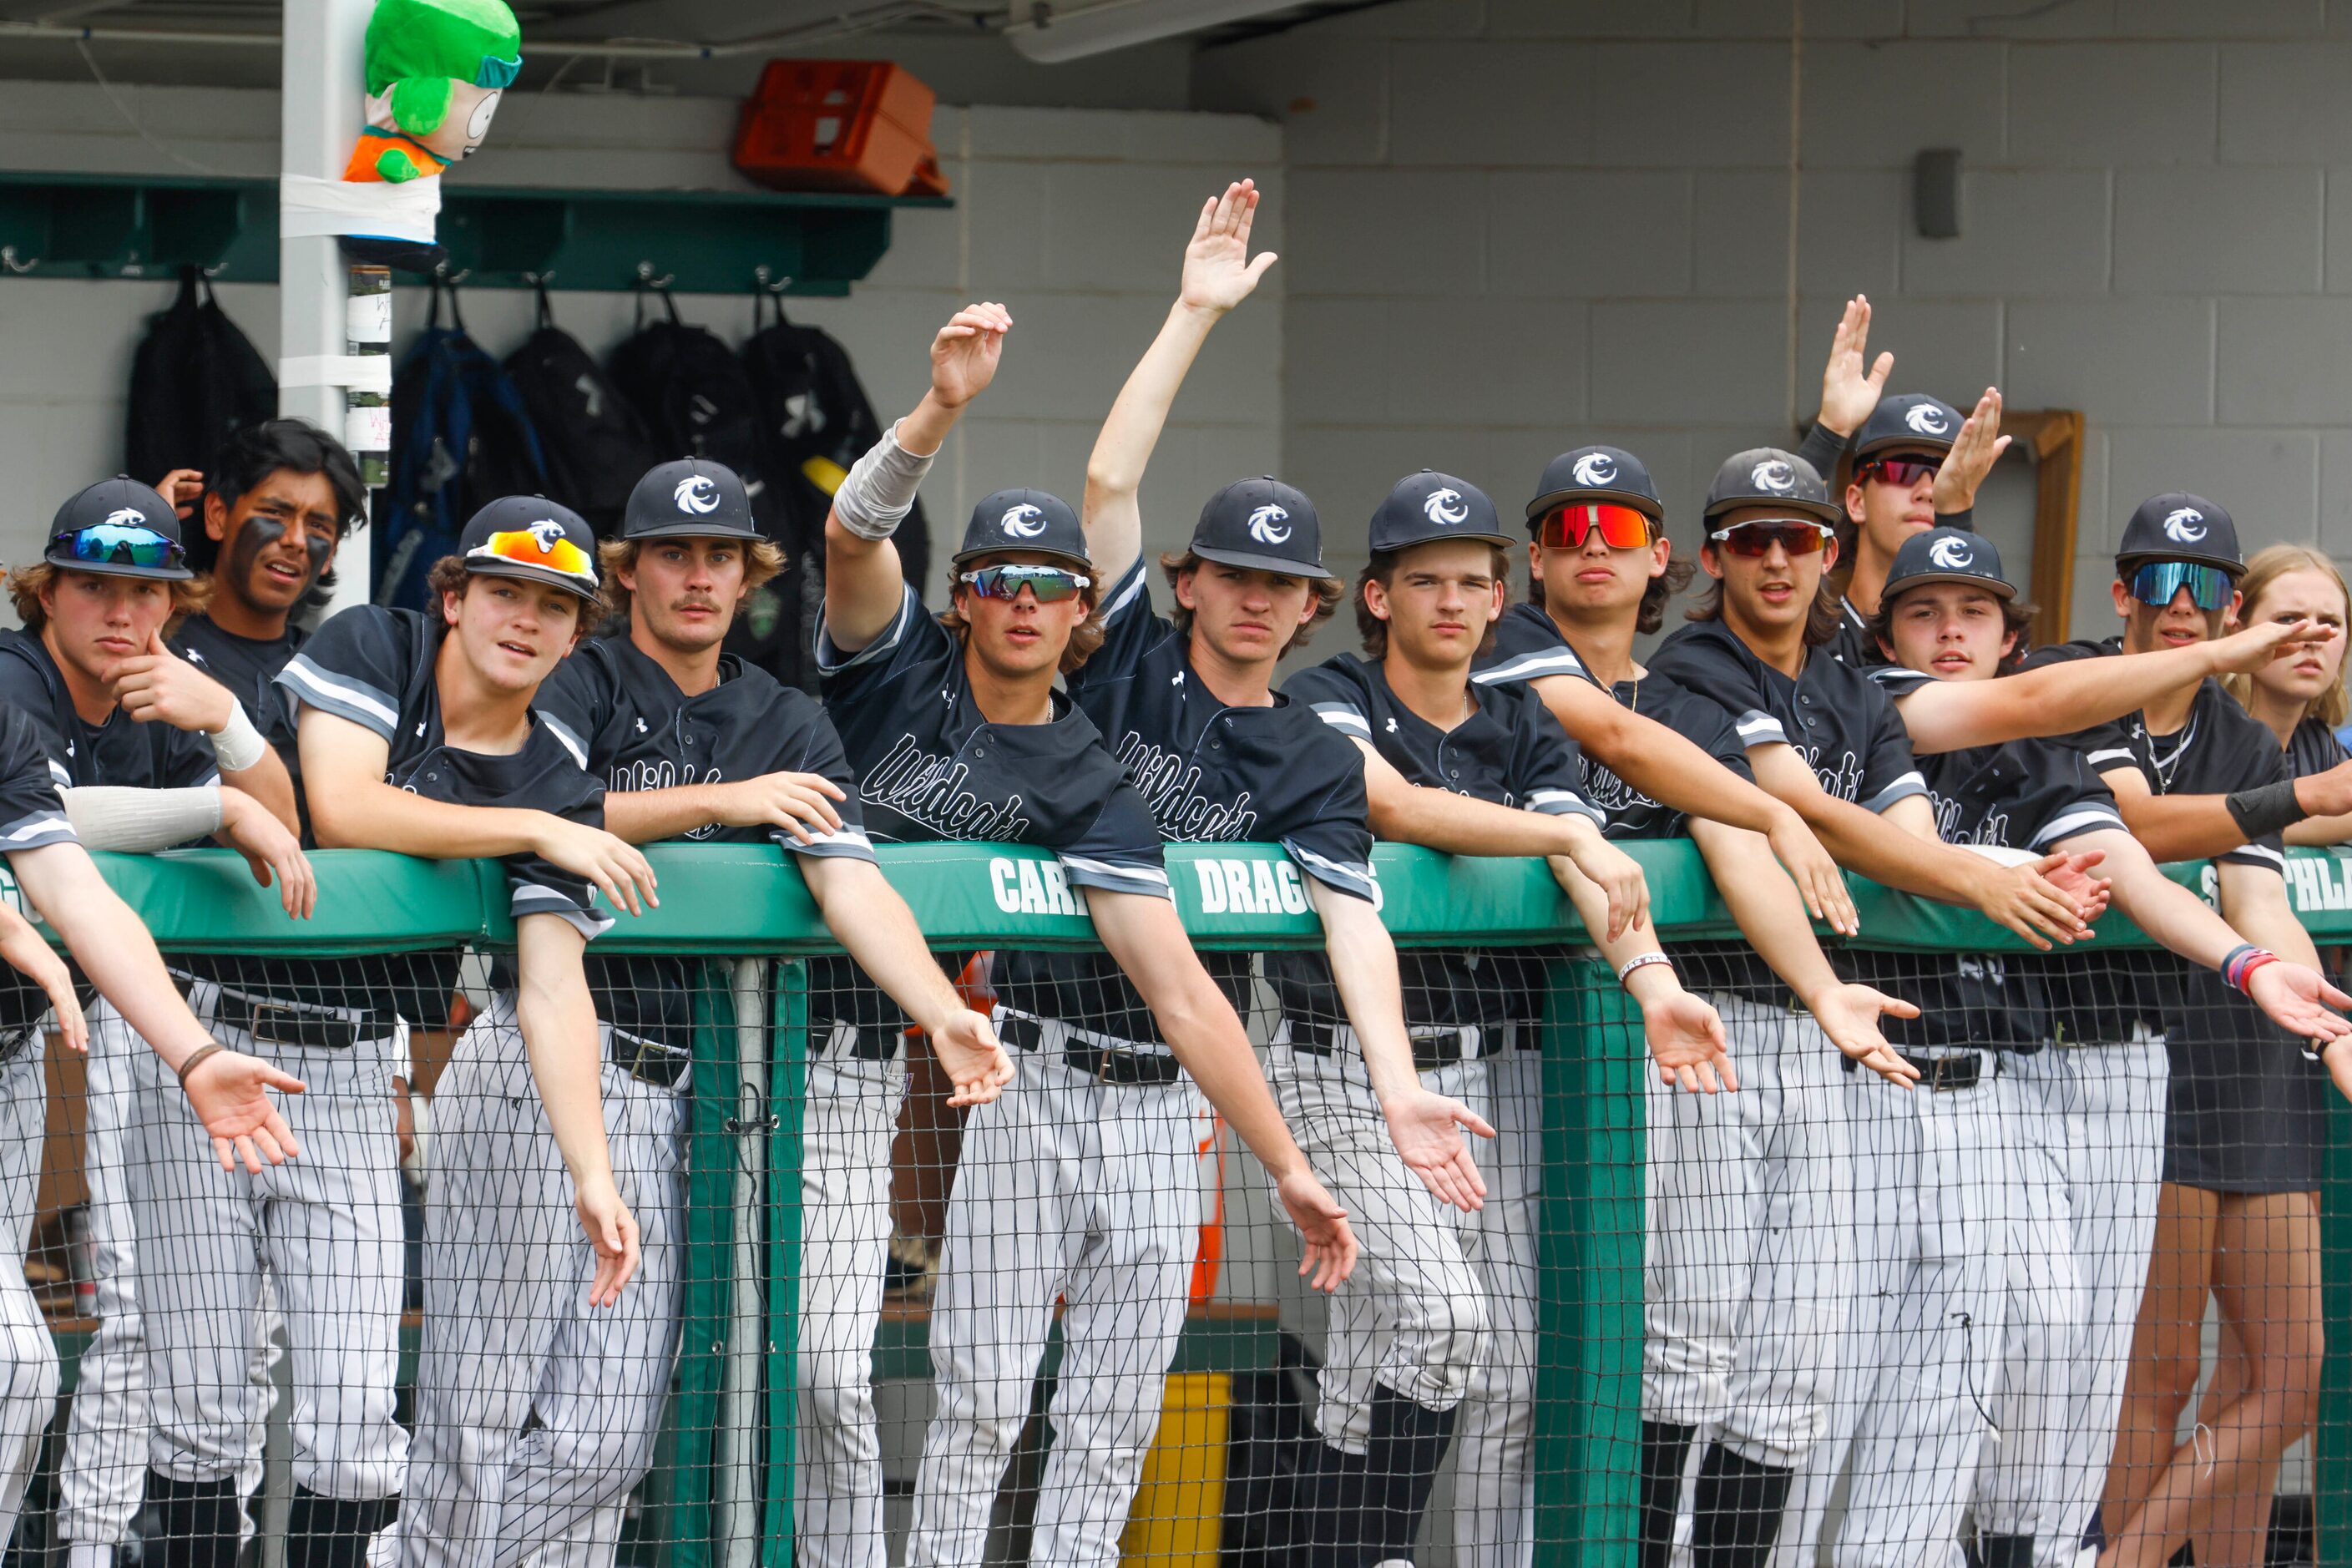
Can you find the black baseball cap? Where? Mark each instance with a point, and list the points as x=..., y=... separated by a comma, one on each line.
x=1912, y=421
x=1264, y=525
x=118, y=528
x=533, y=538
x=1947, y=555
x=693, y=498
x=1428, y=505
x=1767, y=476
x=1595, y=474
x=2178, y=526
x=1024, y=520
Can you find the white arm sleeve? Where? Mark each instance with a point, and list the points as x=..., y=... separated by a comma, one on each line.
x=881, y=489
x=142, y=821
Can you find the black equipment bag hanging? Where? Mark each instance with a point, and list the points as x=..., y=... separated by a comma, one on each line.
x=195, y=380
x=594, y=444
x=460, y=438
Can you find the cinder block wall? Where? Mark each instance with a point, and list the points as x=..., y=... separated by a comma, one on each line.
x=1518, y=225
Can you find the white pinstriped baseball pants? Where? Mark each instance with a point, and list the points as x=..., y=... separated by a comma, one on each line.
x=28, y=1396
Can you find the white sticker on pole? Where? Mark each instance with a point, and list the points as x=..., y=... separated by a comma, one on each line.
x=367, y=318
x=368, y=429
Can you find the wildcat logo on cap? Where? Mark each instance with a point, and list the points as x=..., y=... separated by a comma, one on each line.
x=1927, y=418
x=1023, y=521
x=1262, y=524
x=1952, y=554
x=547, y=534
x=125, y=516
x=1445, y=506
x=697, y=495
x=1594, y=468
x=1776, y=476
x=2185, y=526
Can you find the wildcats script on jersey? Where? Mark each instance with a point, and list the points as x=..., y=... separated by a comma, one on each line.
x=928, y=788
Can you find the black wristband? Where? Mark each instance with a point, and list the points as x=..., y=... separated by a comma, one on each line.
x=1965, y=519
x=2265, y=810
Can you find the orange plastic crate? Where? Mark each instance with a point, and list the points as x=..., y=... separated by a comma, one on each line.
x=835, y=125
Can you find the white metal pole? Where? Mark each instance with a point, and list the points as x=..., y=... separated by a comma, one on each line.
x=320, y=115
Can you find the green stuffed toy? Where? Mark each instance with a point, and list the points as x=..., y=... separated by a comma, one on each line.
x=436, y=69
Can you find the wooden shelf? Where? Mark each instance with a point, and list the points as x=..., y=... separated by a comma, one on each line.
x=708, y=242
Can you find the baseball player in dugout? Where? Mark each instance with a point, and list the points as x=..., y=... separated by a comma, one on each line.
x=78, y=768
x=693, y=744
x=1081, y=1182
x=1740, y=1333
x=1477, y=770
x=418, y=735
x=2079, y=1179
x=1916, y=464
x=1187, y=705
x=153, y=752
x=2197, y=776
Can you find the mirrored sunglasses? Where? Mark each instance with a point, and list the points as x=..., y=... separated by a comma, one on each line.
x=1049, y=584
x=1798, y=536
x=1621, y=527
x=1901, y=472
x=116, y=545
x=545, y=547
x=2156, y=581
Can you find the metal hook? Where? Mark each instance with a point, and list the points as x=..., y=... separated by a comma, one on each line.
x=645, y=278
x=441, y=270
x=8, y=260
x=537, y=278
x=762, y=279
x=215, y=270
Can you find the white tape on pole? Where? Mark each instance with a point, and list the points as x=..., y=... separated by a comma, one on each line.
x=353, y=373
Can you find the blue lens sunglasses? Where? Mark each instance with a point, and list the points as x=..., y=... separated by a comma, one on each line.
x=2156, y=582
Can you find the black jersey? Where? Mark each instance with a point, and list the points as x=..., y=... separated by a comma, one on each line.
x=375, y=667
x=1854, y=644
x=930, y=765
x=121, y=750
x=248, y=668
x=2312, y=748
x=31, y=817
x=2029, y=795
x=1835, y=716
x=1511, y=752
x=639, y=731
x=2221, y=750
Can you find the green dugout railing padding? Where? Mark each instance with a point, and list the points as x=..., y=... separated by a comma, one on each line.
x=727, y=1457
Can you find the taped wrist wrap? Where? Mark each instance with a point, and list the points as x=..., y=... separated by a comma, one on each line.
x=881, y=489
x=2265, y=809
x=238, y=745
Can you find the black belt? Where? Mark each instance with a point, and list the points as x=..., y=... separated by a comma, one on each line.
x=1322, y=1039
x=278, y=1022
x=649, y=1061
x=866, y=1042
x=1124, y=1068
x=1944, y=1075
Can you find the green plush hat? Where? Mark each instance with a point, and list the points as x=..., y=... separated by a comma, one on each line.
x=474, y=41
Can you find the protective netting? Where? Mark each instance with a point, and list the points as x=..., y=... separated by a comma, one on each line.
x=1819, y=1320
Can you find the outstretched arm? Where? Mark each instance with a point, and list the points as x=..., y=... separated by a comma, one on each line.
x=558, y=1019
x=2080, y=693
x=1669, y=769
x=864, y=583
x=1144, y=936
x=1685, y=1033
x=1218, y=275
x=875, y=927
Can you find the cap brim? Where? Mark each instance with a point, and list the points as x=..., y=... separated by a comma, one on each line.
x=1910, y=439
x=2125, y=565
x=1440, y=536
x=493, y=568
x=1083, y=562
x=1267, y=563
x=692, y=528
x=1639, y=502
x=1999, y=587
x=1817, y=511
x=117, y=569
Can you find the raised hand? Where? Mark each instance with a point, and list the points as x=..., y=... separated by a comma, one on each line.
x=1849, y=1016
x=183, y=487
x=965, y=353
x=160, y=684
x=1848, y=392
x=1323, y=1224
x=1974, y=451
x=975, y=1063
x=1427, y=1129
x=229, y=1092
x=1685, y=1038
x=1218, y=271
